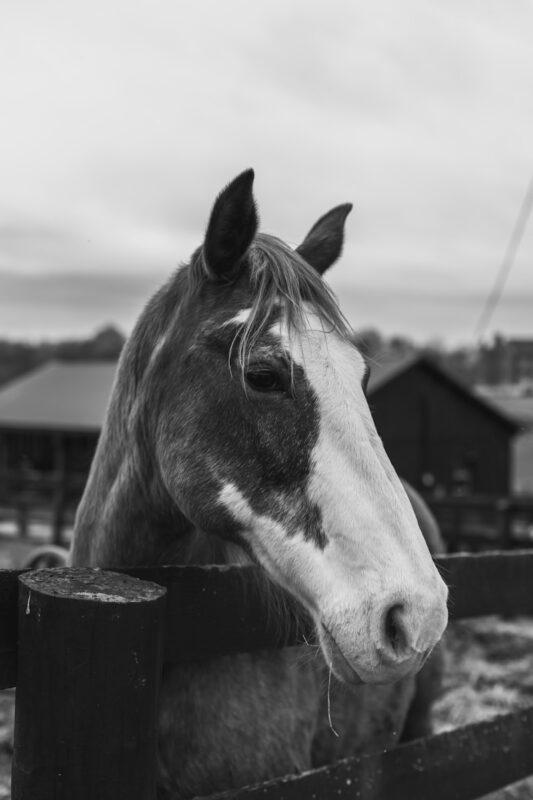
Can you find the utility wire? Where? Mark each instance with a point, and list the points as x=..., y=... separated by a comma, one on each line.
x=507, y=263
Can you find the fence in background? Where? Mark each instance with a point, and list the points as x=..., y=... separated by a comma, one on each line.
x=474, y=522
x=48, y=500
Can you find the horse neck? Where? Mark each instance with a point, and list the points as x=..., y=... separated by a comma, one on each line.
x=122, y=521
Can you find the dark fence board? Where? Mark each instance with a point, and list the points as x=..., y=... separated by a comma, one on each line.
x=8, y=627
x=216, y=610
x=461, y=765
x=223, y=610
x=489, y=583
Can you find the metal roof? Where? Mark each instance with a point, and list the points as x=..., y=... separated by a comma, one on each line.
x=382, y=373
x=59, y=396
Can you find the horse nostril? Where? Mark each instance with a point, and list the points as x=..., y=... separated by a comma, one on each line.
x=394, y=635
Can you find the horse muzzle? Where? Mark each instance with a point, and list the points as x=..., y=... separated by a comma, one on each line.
x=388, y=642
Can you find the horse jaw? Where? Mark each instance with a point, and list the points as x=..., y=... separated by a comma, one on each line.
x=344, y=596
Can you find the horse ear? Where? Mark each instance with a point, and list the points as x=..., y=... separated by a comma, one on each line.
x=231, y=228
x=323, y=244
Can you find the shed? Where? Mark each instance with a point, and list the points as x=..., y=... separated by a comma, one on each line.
x=439, y=433
x=517, y=402
x=50, y=420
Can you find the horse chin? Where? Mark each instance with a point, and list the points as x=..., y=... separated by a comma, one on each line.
x=335, y=659
x=352, y=675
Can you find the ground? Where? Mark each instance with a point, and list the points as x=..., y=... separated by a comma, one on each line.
x=489, y=671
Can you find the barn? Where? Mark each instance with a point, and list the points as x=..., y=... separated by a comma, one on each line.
x=517, y=401
x=50, y=420
x=441, y=435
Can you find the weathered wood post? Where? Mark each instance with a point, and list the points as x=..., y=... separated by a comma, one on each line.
x=89, y=664
x=503, y=523
x=59, y=490
x=22, y=515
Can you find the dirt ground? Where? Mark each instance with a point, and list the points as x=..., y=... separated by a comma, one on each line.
x=489, y=671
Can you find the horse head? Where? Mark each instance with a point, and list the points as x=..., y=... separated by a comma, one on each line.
x=263, y=437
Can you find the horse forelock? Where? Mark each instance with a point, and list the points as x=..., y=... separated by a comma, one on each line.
x=280, y=282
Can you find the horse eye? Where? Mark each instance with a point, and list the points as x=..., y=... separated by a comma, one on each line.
x=263, y=380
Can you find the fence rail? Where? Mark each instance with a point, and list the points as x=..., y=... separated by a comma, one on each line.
x=480, y=585
x=209, y=611
x=481, y=522
x=46, y=498
x=461, y=765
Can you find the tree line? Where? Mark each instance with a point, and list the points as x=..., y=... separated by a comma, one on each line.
x=17, y=358
x=472, y=364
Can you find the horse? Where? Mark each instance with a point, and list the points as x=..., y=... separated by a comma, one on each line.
x=238, y=432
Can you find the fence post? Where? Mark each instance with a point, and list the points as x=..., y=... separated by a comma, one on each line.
x=503, y=523
x=22, y=515
x=89, y=664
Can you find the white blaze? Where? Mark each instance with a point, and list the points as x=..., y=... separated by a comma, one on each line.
x=376, y=555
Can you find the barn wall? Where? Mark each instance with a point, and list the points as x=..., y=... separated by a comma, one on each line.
x=523, y=463
x=31, y=458
x=429, y=427
x=38, y=449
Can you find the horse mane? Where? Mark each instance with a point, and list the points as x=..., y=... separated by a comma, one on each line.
x=279, y=277
x=281, y=280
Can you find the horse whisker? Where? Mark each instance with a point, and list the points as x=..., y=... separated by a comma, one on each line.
x=329, y=704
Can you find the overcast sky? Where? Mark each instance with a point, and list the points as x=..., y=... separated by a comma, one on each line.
x=120, y=120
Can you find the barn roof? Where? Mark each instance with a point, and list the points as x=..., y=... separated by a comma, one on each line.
x=383, y=374
x=59, y=396
x=518, y=406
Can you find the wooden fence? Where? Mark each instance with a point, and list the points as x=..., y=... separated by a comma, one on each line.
x=49, y=499
x=85, y=649
x=480, y=522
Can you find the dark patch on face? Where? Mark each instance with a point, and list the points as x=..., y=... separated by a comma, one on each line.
x=213, y=430
x=312, y=525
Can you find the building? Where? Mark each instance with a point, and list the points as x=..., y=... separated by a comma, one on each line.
x=50, y=420
x=516, y=400
x=440, y=435
x=507, y=361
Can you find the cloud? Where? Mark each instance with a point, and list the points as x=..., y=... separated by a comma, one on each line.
x=125, y=121
x=58, y=304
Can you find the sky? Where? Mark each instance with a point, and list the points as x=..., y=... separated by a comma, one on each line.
x=121, y=120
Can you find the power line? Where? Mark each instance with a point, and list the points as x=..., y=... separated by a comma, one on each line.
x=508, y=260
